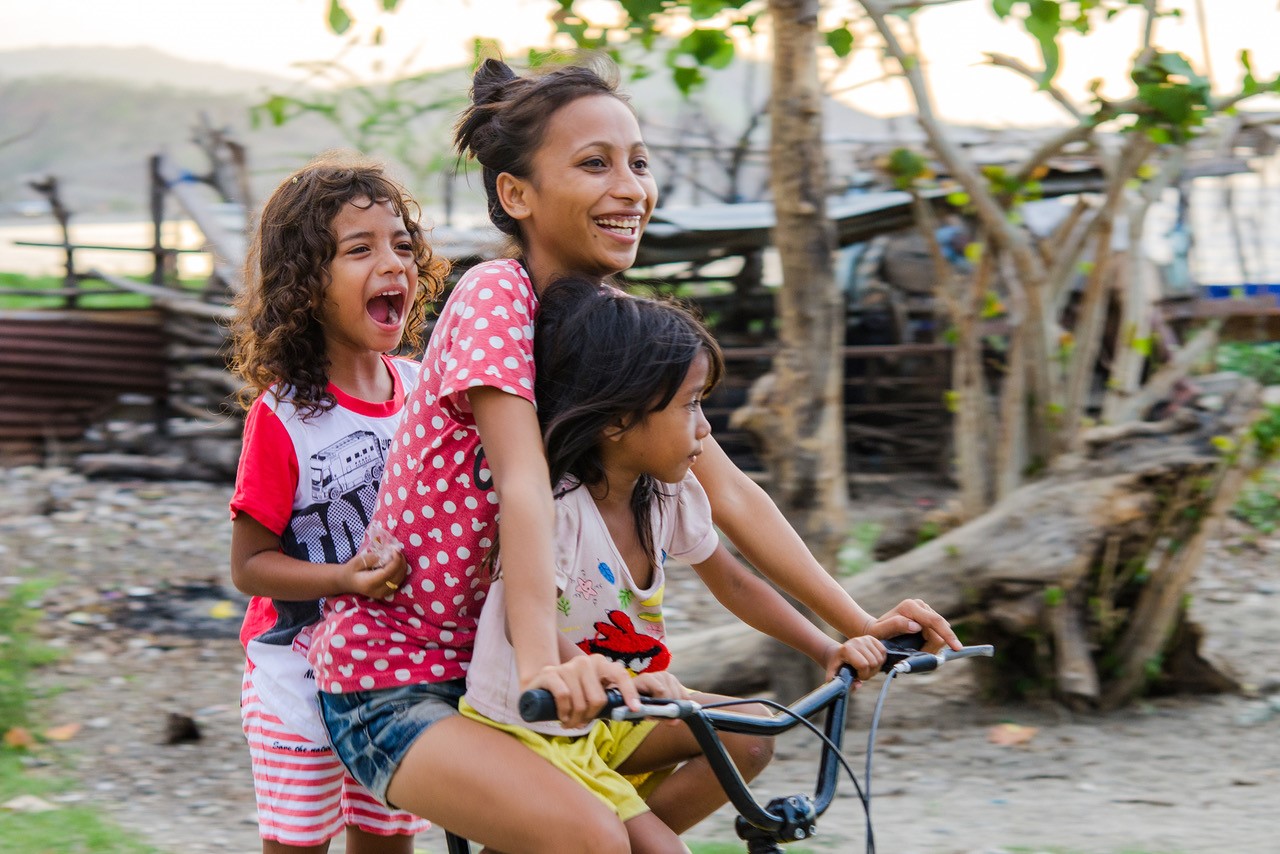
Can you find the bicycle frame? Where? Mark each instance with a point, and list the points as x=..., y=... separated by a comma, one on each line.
x=784, y=819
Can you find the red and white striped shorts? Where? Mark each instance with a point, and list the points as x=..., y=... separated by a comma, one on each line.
x=305, y=796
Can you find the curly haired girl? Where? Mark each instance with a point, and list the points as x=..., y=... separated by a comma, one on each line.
x=339, y=274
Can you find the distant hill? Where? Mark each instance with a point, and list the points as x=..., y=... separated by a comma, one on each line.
x=139, y=66
x=93, y=116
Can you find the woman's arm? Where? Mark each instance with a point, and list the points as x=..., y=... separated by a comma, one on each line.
x=754, y=601
x=259, y=568
x=757, y=528
x=512, y=444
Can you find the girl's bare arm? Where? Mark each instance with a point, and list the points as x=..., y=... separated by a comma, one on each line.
x=512, y=443
x=754, y=601
x=259, y=568
x=755, y=525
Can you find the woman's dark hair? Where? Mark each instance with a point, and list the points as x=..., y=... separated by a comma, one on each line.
x=508, y=116
x=605, y=359
x=277, y=335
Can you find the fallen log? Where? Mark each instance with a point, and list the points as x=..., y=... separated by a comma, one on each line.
x=1078, y=577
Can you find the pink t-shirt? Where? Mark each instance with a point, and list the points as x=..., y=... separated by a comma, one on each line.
x=601, y=608
x=437, y=498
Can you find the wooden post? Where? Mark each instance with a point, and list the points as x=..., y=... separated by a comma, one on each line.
x=156, y=187
x=70, y=280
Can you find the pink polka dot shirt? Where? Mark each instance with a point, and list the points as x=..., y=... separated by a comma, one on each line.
x=437, y=498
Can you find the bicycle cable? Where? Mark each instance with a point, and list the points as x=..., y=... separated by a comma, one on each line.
x=809, y=725
x=871, y=744
x=864, y=793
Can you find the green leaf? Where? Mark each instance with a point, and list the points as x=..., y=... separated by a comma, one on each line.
x=905, y=166
x=700, y=10
x=973, y=252
x=276, y=108
x=1002, y=8
x=390, y=5
x=687, y=78
x=711, y=48
x=1176, y=63
x=1173, y=101
x=840, y=41
x=1043, y=24
x=339, y=20
x=1249, y=83
x=958, y=199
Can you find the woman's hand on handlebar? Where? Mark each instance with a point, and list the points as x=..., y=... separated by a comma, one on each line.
x=864, y=654
x=578, y=686
x=662, y=684
x=914, y=615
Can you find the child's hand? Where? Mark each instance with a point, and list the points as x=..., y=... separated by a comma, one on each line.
x=662, y=684
x=579, y=684
x=864, y=654
x=373, y=575
x=913, y=615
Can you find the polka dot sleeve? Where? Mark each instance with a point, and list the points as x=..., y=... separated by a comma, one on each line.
x=485, y=337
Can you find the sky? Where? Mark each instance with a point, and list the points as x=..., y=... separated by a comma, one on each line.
x=274, y=35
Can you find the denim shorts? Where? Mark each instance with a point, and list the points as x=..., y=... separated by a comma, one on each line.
x=371, y=731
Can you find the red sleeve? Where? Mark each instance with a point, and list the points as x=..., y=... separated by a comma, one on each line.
x=267, y=476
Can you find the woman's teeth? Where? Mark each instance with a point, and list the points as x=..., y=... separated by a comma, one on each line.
x=624, y=224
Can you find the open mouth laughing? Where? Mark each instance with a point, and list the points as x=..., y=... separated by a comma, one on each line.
x=623, y=226
x=387, y=307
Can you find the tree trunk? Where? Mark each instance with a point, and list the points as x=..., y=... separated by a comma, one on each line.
x=1077, y=578
x=805, y=402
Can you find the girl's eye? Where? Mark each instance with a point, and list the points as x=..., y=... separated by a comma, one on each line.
x=640, y=165
x=594, y=163
x=404, y=247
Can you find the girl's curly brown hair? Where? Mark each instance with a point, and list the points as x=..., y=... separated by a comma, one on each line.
x=276, y=336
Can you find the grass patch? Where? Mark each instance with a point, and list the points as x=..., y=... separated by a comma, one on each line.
x=33, y=772
x=65, y=830
x=1258, y=360
x=96, y=294
x=1259, y=502
x=20, y=653
x=859, y=550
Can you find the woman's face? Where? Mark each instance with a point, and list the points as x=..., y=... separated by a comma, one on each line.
x=590, y=194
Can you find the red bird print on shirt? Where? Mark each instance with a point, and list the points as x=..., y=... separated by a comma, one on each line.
x=618, y=640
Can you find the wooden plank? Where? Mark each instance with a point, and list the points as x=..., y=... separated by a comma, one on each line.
x=229, y=248
x=168, y=298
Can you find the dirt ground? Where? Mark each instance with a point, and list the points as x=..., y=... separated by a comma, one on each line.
x=142, y=605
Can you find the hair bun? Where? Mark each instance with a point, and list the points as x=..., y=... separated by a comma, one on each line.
x=490, y=81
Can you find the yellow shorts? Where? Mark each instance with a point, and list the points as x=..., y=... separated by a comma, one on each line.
x=593, y=759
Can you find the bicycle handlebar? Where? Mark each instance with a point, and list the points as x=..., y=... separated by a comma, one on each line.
x=904, y=656
x=784, y=819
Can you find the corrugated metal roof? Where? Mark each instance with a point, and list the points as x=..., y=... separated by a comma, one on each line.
x=60, y=369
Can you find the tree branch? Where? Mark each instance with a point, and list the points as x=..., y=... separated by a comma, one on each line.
x=1000, y=60
x=1052, y=146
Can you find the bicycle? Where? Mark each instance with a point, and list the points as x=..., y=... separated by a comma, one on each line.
x=788, y=818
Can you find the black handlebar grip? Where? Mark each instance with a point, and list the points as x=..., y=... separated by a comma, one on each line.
x=901, y=648
x=538, y=704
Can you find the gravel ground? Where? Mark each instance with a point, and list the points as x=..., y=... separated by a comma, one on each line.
x=141, y=602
